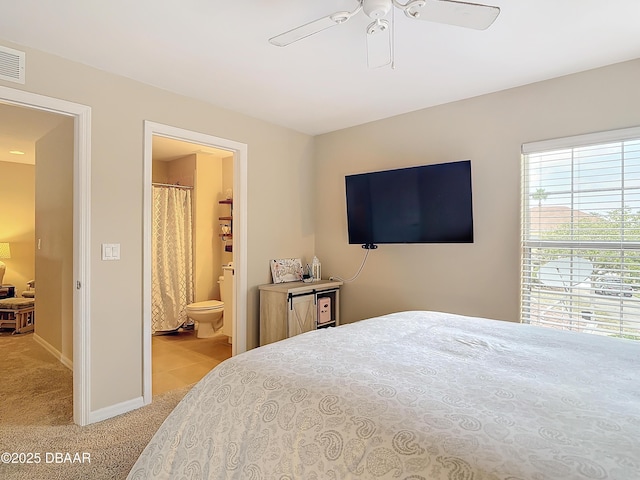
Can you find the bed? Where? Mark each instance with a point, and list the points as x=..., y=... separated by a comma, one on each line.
x=411, y=396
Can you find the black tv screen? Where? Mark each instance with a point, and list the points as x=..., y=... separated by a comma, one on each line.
x=425, y=204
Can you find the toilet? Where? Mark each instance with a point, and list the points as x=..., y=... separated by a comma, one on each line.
x=208, y=314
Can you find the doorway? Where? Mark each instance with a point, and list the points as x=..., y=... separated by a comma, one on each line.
x=236, y=244
x=80, y=324
x=192, y=261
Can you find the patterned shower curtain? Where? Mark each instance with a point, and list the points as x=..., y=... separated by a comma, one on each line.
x=172, y=254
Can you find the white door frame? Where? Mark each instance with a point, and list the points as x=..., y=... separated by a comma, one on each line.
x=81, y=237
x=239, y=151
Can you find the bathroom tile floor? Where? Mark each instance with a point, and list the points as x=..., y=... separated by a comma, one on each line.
x=180, y=359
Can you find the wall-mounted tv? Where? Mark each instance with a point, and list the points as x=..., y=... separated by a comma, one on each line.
x=425, y=204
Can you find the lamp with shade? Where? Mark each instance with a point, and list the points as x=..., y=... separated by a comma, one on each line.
x=5, y=252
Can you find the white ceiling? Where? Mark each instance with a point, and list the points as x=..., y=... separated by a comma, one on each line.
x=217, y=51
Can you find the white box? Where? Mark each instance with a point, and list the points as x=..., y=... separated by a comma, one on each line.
x=324, y=310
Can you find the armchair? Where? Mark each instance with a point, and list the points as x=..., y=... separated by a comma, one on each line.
x=30, y=292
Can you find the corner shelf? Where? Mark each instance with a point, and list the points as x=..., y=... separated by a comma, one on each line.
x=229, y=218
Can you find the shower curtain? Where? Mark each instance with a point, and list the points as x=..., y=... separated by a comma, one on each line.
x=172, y=254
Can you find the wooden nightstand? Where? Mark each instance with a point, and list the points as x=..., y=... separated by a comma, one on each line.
x=288, y=309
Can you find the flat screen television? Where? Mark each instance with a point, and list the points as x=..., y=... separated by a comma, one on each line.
x=425, y=204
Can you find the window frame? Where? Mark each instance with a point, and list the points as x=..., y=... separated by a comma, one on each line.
x=528, y=244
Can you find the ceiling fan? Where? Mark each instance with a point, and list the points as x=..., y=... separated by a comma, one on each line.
x=379, y=37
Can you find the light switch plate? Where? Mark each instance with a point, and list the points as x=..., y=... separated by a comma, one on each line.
x=110, y=251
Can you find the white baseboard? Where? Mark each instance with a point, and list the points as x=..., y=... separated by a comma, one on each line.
x=115, y=410
x=66, y=361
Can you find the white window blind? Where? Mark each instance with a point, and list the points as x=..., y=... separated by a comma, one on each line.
x=581, y=233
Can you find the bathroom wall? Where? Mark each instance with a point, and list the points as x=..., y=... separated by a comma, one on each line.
x=159, y=172
x=207, y=253
x=181, y=171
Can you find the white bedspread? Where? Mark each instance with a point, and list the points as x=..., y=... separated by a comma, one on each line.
x=411, y=396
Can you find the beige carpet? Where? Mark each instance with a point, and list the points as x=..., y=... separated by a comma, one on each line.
x=36, y=416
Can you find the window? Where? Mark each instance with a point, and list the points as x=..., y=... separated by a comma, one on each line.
x=581, y=233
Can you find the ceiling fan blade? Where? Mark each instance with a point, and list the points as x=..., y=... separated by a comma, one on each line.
x=379, y=44
x=310, y=28
x=462, y=14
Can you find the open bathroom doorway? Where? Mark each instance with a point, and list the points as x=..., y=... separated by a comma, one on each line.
x=193, y=256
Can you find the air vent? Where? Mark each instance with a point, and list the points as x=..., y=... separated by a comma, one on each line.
x=11, y=65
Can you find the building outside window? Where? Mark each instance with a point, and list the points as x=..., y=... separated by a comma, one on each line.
x=581, y=233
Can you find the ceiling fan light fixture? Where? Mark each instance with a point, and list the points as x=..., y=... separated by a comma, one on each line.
x=376, y=8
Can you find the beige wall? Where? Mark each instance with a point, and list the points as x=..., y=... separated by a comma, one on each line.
x=17, y=221
x=277, y=156
x=480, y=278
x=54, y=231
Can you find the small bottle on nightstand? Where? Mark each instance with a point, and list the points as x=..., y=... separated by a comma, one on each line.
x=316, y=269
